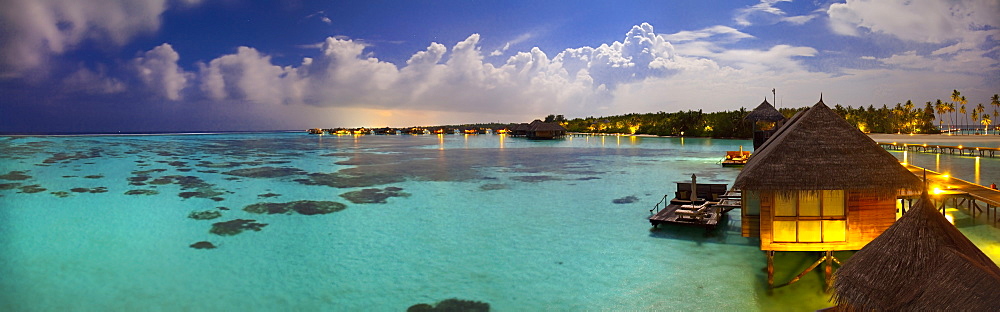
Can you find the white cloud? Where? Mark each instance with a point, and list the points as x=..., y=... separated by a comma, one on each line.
x=92, y=82
x=34, y=30
x=641, y=73
x=158, y=69
x=766, y=13
x=928, y=21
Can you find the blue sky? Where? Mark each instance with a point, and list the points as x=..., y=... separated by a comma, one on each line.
x=201, y=65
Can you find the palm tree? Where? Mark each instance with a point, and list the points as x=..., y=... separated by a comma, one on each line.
x=986, y=123
x=955, y=97
x=975, y=114
x=950, y=108
x=939, y=109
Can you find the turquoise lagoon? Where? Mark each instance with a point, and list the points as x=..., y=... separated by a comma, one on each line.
x=98, y=223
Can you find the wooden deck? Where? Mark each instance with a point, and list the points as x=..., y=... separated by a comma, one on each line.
x=670, y=215
x=943, y=149
x=979, y=201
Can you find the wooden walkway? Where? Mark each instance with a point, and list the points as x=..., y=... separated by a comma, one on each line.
x=943, y=149
x=979, y=201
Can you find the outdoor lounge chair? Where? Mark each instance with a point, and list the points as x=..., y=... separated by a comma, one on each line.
x=693, y=212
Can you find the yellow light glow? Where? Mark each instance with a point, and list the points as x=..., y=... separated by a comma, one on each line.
x=945, y=176
x=950, y=217
x=903, y=163
x=937, y=190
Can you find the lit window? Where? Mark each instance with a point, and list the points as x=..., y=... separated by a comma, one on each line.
x=809, y=204
x=784, y=205
x=810, y=231
x=833, y=203
x=834, y=230
x=784, y=231
x=810, y=217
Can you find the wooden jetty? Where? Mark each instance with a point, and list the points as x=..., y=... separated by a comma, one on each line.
x=698, y=208
x=978, y=201
x=943, y=149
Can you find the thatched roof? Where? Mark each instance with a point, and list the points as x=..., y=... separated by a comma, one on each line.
x=819, y=150
x=921, y=262
x=764, y=112
x=544, y=126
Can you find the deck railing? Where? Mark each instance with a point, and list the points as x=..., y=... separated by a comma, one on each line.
x=657, y=206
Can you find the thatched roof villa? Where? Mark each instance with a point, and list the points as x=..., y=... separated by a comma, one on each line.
x=819, y=184
x=543, y=130
x=765, y=119
x=921, y=262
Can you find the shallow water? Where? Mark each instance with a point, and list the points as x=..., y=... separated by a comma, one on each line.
x=518, y=224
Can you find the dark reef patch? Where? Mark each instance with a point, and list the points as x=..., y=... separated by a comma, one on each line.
x=268, y=195
x=233, y=227
x=374, y=195
x=61, y=194
x=265, y=172
x=587, y=178
x=34, y=188
x=141, y=192
x=493, y=187
x=304, y=207
x=534, y=178
x=203, y=245
x=9, y=186
x=15, y=176
x=205, y=215
x=450, y=305
x=96, y=176
x=184, y=169
x=625, y=200
x=99, y=189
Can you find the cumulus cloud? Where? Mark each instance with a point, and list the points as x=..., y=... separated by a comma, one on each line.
x=458, y=80
x=158, y=69
x=34, y=30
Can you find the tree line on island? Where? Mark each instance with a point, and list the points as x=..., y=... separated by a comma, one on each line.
x=933, y=117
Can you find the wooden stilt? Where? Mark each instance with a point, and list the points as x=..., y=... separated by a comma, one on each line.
x=770, y=269
x=828, y=270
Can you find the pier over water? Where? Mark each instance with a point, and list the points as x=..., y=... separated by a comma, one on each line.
x=943, y=149
x=980, y=202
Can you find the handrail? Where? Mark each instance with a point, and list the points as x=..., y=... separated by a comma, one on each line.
x=657, y=206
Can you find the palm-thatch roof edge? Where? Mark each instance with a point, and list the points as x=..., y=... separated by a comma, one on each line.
x=819, y=150
x=920, y=262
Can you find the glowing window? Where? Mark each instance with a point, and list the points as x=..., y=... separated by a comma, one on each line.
x=810, y=231
x=834, y=230
x=784, y=231
x=784, y=205
x=809, y=204
x=833, y=203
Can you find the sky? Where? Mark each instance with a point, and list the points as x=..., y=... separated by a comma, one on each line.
x=203, y=65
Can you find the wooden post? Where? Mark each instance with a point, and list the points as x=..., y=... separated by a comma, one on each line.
x=828, y=271
x=770, y=269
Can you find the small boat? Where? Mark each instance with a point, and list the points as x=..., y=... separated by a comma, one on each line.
x=736, y=158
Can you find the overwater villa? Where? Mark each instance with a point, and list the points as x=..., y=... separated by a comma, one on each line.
x=819, y=184
x=765, y=120
x=920, y=262
x=539, y=130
